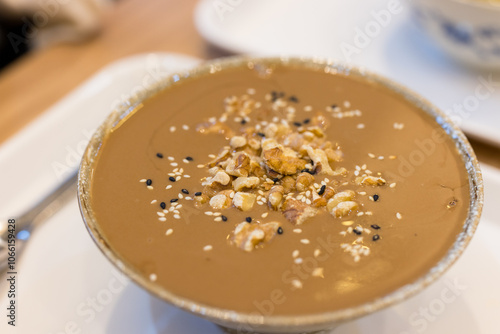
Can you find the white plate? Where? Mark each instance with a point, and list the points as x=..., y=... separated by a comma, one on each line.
x=334, y=29
x=65, y=284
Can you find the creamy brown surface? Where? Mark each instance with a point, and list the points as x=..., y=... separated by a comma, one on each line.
x=427, y=178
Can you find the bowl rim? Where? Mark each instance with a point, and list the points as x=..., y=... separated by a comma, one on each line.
x=317, y=321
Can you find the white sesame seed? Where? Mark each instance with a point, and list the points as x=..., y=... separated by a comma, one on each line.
x=392, y=185
x=171, y=158
x=186, y=161
x=201, y=166
x=371, y=155
x=298, y=260
x=295, y=253
x=318, y=272
x=152, y=277
x=207, y=248
x=163, y=219
x=168, y=187
x=174, y=164
x=297, y=284
x=161, y=214
x=317, y=252
x=169, y=231
x=305, y=241
x=181, y=196
x=360, y=126
x=308, y=108
x=209, y=213
x=398, y=215
x=177, y=216
x=177, y=178
x=178, y=206
x=176, y=211
x=153, y=201
x=265, y=214
x=187, y=176
x=297, y=230
x=381, y=157
x=185, y=127
x=172, y=129
x=251, y=91
x=142, y=180
x=218, y=219
x=150, y=187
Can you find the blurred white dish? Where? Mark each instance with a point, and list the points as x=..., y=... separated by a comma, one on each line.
x=468, y=30
x=377, y=34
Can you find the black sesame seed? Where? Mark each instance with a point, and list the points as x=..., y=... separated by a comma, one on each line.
x=248, y=219
x=163, y=205
x=375, y=197
x=173, y=200
x=375, y=227
x=322, y=190
x=172, y=179
x=224, y=218
x=149, y=182
x=293, y=98
x=159, y=155
x=275, y=180
x=198, y=193
x=376, y=237
x=243, y=122
x=185, y=191
x=357, y=232
x=189, y=158
x=280, y=230
x=297, y=124
x=334, y=106
x=305, y=170
x=261, y=134
x=306, y=121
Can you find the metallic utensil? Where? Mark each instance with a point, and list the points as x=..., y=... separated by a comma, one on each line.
x=33, y=217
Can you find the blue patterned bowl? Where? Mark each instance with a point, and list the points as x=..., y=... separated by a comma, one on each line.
x=468, y=30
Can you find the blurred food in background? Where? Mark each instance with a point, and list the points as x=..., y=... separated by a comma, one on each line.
x=468, y=30
x=28, y=24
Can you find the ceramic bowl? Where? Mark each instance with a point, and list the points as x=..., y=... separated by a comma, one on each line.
x=237, y=322
x=467, y=30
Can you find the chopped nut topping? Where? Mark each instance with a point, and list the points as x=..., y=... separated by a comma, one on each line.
x=288, y=165
x=244, y=201
x=247, y=236
x=297, y=212
x=245, y=182
x=370, y=181
x=237, y=142
x=304, y=180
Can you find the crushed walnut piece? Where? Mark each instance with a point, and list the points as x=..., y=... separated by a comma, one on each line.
x=289, y=166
